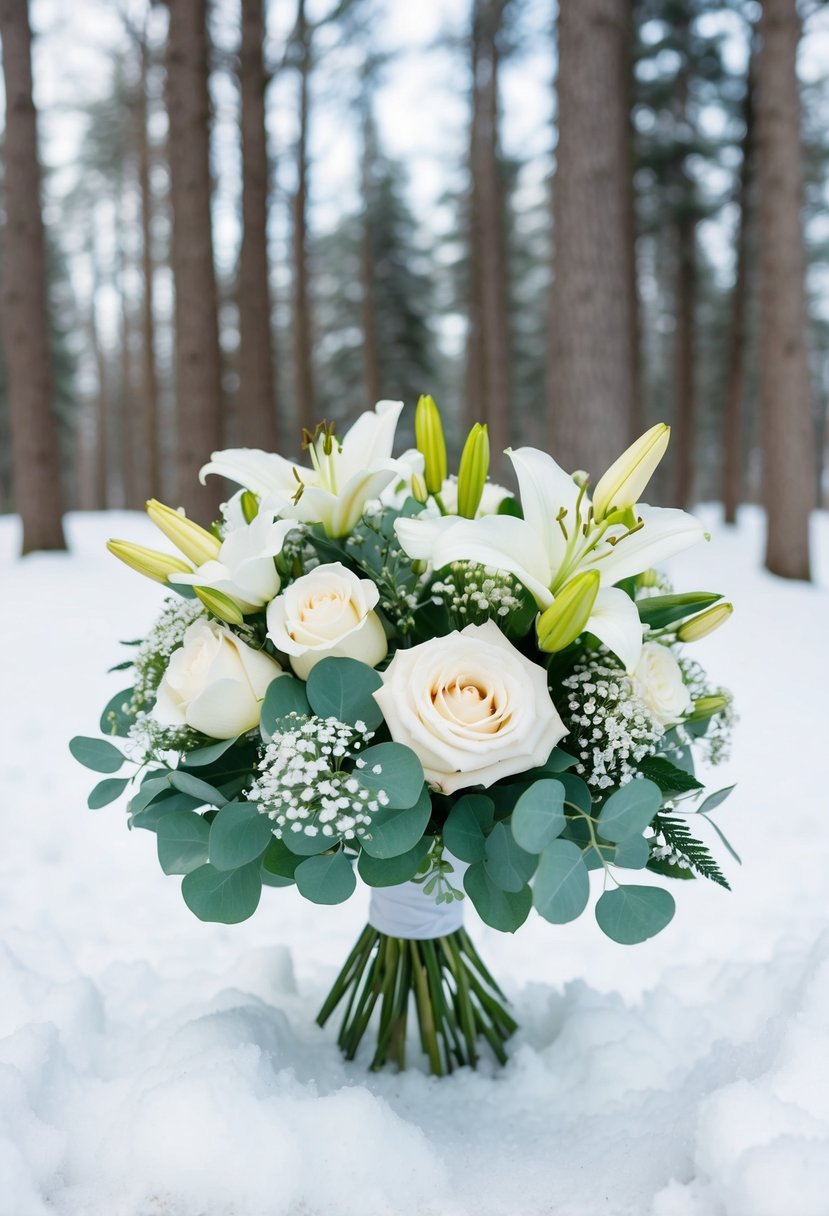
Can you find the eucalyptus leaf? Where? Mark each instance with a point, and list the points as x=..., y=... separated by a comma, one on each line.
x=393, y=768
x=210, y=753
x=223, y=896
x=630, y=810
x=97, y=754
x=395, y=830
x=240, y=833
x=632, y=853
x=391, y=871
x=714, y=800
x=188, y=784
x=576, y=792
x=304, y=845
x=508, y=865
x=561, y=886
x=181, y=839
x=167, y=801
x=538, y=816
x=106, y=791
x=464, y=832
x=503, y=910
x=279, y=860
x=342, y=688
x=328, y=879
x=629, y=915
x=285, y=695
x=116, y=719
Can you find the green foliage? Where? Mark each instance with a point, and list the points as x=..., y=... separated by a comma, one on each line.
x=285, y=696
x=538, y=816
x=162, y=803
x=186, y=783
x=342, y=689
x=393, y=768
x=117, y=717
x=223, y=896
x=670, y=778
x=181, y=839
x=632, y=853
x=202, y=756
x=106, y=791
x=628, y=811
x=629, y=915
x=464, y=832
x=279, y=860
x=677, y=836
x=507, y=864
x=562, y=886
x=238, y=834
x=503, y=910
x=328, y=879
x=395, y=830
x=389, y=871
x=657, y=611
x=97, y=754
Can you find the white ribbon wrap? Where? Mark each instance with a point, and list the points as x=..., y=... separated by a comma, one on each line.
x=405, y=911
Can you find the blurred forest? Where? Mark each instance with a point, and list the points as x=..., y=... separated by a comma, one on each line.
x=196, y=277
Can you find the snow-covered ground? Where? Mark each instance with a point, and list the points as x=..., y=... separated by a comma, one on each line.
x=152, y=1064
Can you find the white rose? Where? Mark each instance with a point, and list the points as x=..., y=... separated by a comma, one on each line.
x=657, y=680
x=327, y=613
x=214, y=683
x=471, y=707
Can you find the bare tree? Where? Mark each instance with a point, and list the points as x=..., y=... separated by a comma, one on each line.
x=592, y=360
x=302, y=327
x=198, y=357
x=368, y=304
x=256, y=406
x=788, y=440
x=35, y=455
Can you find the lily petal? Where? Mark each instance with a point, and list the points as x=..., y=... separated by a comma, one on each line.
x=666, y=531
x=545, y=489
x=615, y=621
x=261, y=472
x=370, y=440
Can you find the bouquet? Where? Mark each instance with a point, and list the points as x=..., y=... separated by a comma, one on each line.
x=369, y=668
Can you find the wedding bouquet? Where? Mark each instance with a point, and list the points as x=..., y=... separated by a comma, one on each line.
x=368, y=667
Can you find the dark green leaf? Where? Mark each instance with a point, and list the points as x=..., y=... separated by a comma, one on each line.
x=326, y=880
x=657, y=611
x=629, y=915
x=538, y=816
x=342, y=689
x=391, y=871
x=669, y=778
x=238, y=834
x=630, y=810
x=279, y=860
x=116, y=718
x=274, y=880
x=207, y=755
x=182, y=841
x=285, y=695
x=308, y=846
x=669, y=869
x=225, y=896
x=97, y=754
x=576, y=792
x=503, y=910
x=393, y=768
x=166, y=801
x=197, y=788
x=509, y=866
x=106, y=791
x=562, y=886
x=395, y=830
x=464, y=832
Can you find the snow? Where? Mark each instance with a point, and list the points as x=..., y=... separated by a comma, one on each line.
x=151, y=1064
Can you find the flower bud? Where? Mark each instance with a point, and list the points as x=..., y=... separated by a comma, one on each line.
x=706, y=707
x=621, y=486
x=250, y=506
x=150, y=562
x=565, y=619
x=473, y=470
x=703, y=623
x=195, y=542
x=220, y=605
x=431, y=443
x=419, y=491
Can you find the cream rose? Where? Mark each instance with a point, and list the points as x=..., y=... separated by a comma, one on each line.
x=471, y=707
x=657, y=680
x=327, y=613
x=214, y=683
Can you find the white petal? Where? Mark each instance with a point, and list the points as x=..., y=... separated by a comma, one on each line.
x=666, y=531
x=370, y=440
x=500, y=541
x=615, y=621
x=545, y=488
x=261, y=472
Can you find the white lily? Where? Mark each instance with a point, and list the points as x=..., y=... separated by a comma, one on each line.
x=344, y=475
x=557, y=539
x=244, y=568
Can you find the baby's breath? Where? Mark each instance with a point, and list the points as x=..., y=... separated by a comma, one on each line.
x=475, y=594
x=715, y=745
x=309, y=783
x=153, y=655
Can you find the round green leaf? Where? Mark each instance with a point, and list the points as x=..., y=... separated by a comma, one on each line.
x=503, y=910
x=224, y=896
x=464, y=832
x=629, y=915
x=576, y=792
x=328, y=879
x=395, y=830
x=106, y=791
x=196, y=788
x=391, y=871
x=97, y=754
x=238, y=834
x=209, y=753
x=274, y=880
x=562, y=886
x=538, y=817
x=629, y=810
x=393, y=768
x=632, y=853
x=279, y=860
x=166, y=801
x=285, y=695
x=182, y=841
x=508, y=865
x=116, y=719
x=342, y=689
x=303, y=845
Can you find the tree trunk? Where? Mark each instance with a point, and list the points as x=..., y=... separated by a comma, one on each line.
x=487, y=398
x=788, y=439
x=592, y=359
x=371, y=354
x=256, y=402
x=303, y=356
x=35, y=454
x=149, y=477
x=198, y=358
x=732, y=442
x=684, y=355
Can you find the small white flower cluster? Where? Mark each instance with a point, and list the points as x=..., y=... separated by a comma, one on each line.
x=165, y=636
x=148, y=738
x=308, y=780
x=475, y=594
x=715, y=745
x=298, y=555
x=611, y=729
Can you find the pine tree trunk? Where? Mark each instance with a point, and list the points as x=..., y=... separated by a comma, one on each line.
x=368, y=310
x=732, y=436
x=256, y=401
x=149, y=482
x=685, y=377
x=487, y=395
x=35, y=454
x=592, y=358
x=303, y=356
x=788, y=439
x=199, y=394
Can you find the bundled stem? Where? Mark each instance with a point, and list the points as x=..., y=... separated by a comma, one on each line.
x=456, y=1000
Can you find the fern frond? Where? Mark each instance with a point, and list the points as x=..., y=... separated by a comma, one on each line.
x=685, y=848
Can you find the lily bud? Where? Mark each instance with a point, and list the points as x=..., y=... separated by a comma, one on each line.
x=565, y=619
x=703, y=623
x=706, y=707
x=195, y=542
x=622, y=485
x=648, y=578
x=150, y=562
x=220, y=605
x=419, y=491
x=250, y=506
x=472, y=472
x=431, y=443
